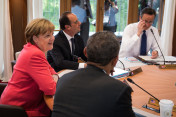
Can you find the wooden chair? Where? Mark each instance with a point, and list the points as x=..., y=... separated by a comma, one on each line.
x=14, y=61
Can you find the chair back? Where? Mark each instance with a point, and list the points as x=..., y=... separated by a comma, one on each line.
x=9, y=110
x=17, y=54
x=12, y=111
x=2, y=87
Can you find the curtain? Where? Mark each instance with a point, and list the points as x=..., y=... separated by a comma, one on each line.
x=34, y=9
x=6, y=46
x=1, y=37
x=168, y=27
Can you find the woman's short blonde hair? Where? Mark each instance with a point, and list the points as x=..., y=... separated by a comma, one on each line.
x=37, y=27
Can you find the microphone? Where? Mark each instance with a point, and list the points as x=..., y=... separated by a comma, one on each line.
x=158, y=45
x=122, y=64
x=131, y=72
x=131, y=81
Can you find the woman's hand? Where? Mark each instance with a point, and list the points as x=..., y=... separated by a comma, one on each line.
x=55, y=77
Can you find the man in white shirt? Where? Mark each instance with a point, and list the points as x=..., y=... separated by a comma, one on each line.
x=132, y=37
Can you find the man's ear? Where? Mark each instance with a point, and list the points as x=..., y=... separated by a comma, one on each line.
x=139, y=18
x=67, y=26
x=114, y=60
x=85, y=51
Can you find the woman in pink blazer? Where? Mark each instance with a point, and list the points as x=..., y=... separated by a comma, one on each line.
x=33, y=82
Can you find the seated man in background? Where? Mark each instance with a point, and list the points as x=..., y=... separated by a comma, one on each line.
x=91, y=92
x=138, y=38
x=68, y=45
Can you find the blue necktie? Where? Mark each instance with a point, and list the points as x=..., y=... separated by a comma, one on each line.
x=73, y=45
x=143, y=44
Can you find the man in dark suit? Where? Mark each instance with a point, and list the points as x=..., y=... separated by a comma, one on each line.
x=91, y=92
x=65, y=53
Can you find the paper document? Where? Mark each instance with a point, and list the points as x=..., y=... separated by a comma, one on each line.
x=144, y=113
x=119, y=73
x=128, y=62
x=61, y=73
x=160, y=60
x=167, y=58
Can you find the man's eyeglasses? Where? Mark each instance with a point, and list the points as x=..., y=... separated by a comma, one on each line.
x=148, y=22
x=76, y=22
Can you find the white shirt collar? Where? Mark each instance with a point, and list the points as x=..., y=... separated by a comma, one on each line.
x=67, y=36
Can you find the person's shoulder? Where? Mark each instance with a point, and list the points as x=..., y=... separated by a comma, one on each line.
x=31, y=48
x=116, y=82
x=153, y=28
x=78, y=38
x=30, y=51
x=59, y=35
x=37, y=52
x=132, y=24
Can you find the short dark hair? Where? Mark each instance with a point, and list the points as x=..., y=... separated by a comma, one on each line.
x=102, y=47
x=148, y=10
x=64, y=20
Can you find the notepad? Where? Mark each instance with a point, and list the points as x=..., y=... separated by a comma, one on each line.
x=167, y=58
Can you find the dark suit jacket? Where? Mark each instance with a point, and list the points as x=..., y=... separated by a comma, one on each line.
x=89, y=92
x=60, y=56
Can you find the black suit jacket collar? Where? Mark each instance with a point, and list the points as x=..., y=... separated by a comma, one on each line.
x=96, y=68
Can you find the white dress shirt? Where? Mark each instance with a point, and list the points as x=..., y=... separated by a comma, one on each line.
x=131, y=42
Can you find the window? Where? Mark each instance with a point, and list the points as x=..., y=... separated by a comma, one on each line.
x=51, y=11
x=93, y=4
x=85, y=12
x=115, y=16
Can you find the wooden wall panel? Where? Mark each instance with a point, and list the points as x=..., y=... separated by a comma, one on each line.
x=132, y=11
x=18, y=16
x=65, y=5
x=174, y=39
x=99, y=15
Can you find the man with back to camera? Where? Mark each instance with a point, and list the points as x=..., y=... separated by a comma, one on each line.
x=68, y=45
x=91, y=92
x=138, y=39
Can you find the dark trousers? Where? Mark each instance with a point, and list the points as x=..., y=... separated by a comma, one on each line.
x=84, y=33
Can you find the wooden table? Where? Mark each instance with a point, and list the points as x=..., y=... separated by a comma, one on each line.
x=158, y=82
